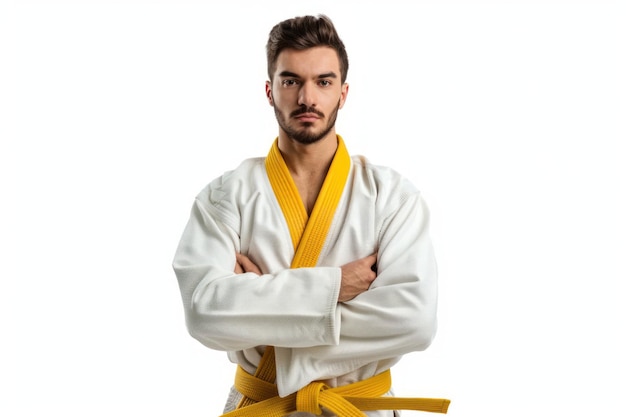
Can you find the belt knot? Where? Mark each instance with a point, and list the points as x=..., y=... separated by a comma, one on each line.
x=308, y=398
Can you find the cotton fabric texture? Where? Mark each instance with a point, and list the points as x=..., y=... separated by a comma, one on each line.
x=296, y=310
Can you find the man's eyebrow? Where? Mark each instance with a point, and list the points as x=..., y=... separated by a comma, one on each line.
x=288, y=74
x=294, y=75
x=327, y=75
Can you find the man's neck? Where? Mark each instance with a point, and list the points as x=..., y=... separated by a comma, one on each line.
x=310, y=159
x=308, y=165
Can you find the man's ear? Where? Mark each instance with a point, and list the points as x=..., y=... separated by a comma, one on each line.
x=268, y=92
x=344, y=94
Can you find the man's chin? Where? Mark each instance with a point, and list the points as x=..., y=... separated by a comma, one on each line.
x=306, y=135
x=306, y=140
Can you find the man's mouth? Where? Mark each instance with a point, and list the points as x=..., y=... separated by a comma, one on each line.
x=307, y=117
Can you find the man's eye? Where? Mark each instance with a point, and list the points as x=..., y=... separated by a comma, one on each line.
x=289, y=82
x=324, y=83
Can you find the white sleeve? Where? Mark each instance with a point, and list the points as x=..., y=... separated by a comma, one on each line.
x=228, y=311
x=395, y=316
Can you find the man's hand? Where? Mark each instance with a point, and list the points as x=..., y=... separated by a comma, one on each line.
x=356, y=277
x=244, y=264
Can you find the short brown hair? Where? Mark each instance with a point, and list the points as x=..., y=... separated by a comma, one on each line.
x=302, y=33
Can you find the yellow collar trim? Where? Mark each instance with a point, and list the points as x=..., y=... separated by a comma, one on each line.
x=308, y=234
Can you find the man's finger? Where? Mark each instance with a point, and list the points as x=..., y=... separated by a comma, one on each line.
x=247, y=265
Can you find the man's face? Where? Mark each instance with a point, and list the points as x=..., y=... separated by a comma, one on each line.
x=306, y=93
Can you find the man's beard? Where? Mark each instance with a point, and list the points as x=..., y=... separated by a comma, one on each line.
x=304, y=135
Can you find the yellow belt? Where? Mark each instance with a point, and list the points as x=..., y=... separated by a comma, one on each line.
x=345, y=401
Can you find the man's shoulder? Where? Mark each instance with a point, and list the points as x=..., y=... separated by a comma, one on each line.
x=383, y=178
x=248, y=168
x=244, y=177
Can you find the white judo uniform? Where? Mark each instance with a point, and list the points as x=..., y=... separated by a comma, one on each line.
x=296, y=310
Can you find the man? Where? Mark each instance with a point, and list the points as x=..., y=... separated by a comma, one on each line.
x=314, y=270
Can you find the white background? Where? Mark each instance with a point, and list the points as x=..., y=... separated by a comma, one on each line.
x=508, y=115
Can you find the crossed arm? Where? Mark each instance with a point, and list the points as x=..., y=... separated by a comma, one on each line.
x=356, y=276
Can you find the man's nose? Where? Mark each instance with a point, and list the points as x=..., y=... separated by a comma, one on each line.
x=307, y=95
